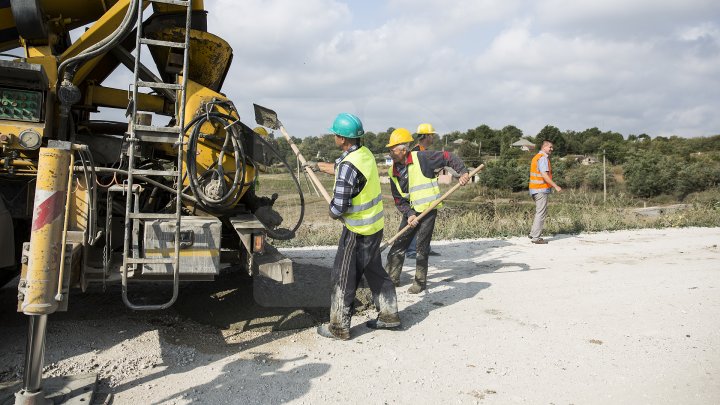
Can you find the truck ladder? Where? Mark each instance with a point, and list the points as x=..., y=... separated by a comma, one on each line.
x=148, y=133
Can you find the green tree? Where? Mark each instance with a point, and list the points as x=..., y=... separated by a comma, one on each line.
x=594, y=178
x=508, y=135
x=573, y=145
x=504, y=175
x=648, y=174
x=697, y=176
x=553, y=134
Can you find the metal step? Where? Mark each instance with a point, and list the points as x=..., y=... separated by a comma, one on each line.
x=141, y=172
x=145, y=260
x=155, y=138
x=159, y=85
x=147, y=133
x=173, y=2
x=168, y=44
x=150, y=215
x=154, y=129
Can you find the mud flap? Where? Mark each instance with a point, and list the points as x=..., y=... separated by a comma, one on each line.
x=274, y=265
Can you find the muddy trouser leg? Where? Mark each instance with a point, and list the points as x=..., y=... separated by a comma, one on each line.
x=379, y=281
x=396, y=256
x=424, y=235
x=541, y=202
x=344, y=280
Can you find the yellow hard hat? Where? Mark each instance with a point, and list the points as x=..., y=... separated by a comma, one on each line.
x=399, y=136
x=261, y=131
x=425, y=129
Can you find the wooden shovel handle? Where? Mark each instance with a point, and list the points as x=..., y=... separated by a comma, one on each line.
x=309, y=171
x=428, y=209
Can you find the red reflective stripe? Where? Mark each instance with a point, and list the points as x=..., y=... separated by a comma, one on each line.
x=48, y=210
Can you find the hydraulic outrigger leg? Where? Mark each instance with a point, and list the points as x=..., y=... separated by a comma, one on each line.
x=42, y=276
x=39, y=281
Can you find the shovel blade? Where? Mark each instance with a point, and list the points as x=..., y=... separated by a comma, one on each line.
x=266, y=117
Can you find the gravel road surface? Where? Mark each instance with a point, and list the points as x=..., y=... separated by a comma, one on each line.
x=629, y=317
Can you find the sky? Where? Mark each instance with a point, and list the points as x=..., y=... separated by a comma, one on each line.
x=630, y=66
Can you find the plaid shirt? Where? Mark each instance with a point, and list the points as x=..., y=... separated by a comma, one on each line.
x=348, y=183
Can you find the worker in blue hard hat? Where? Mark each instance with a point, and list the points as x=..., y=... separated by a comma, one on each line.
x=357, y=200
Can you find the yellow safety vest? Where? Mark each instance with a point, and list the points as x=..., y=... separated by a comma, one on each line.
x=365, y=216
x=536, y=179
x=422, y=191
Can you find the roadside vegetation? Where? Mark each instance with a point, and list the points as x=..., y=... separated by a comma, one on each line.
x=680, y=175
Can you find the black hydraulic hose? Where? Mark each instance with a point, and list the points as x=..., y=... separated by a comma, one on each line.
x=103, y=45
x=228, y=198
x=92, y=216
x=233, y=136
x=89, y=177
x=284, y=234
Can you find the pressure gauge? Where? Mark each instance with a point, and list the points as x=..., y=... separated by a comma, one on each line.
x=29, y=139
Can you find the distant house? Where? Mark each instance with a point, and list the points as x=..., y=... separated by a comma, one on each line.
x=581, y=159
x=588, y=160
x=523, y=144
x=388, y=160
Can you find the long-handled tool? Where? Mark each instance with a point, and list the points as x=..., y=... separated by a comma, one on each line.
x=268, y=118
x=428, y=209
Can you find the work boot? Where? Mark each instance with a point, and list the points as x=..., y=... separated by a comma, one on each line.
x=416, y=288
x=384, y=321
x=394, y=269
x=326, y=330
x=378, y=324
x=420, y=278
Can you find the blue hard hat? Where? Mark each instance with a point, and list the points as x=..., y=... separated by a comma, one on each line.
x=348, y=126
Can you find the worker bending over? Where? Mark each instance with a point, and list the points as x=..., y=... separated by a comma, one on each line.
x=414, y=188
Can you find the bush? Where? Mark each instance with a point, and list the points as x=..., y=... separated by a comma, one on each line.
x=594, y=178
x=504, y=176
x=649, y=175
x=697, y=176
x=573, y=178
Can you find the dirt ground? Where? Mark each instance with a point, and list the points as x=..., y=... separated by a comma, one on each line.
x=628, y=317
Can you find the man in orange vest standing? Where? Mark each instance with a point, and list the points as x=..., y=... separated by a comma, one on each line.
x=541, y=185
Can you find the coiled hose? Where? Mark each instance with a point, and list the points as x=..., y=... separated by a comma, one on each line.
x=225, y=199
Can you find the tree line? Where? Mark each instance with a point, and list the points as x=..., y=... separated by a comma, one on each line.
x=648, y=166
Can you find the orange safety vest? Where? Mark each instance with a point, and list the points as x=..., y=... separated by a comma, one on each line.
x=536, y=180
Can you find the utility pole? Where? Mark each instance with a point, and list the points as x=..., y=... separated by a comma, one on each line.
x=479, y=152
x=604, y=180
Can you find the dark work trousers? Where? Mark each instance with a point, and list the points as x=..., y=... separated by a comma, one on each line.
x=359, y=255
x=396, y=256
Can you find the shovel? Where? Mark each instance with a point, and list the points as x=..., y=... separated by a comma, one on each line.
x=268, y=118
x=428, y=209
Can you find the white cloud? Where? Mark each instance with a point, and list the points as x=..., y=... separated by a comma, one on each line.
x=633, y=66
